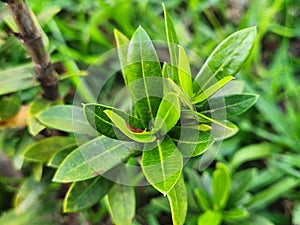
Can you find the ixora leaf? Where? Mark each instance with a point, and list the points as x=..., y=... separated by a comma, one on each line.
x=86, y=193
x=37, y=106
x=143, y=76
x=141, y=136
x=92, y=159
x=178, y=202
x=232, y=105
x=220, y=129
x=44, y=149
x=190, y=140
x=212, y=89
x=122, y=44
x=227, y=59
x=9, y=82
x=185, y=99
x=9, y=106
x=172, y=45
x=98, y=119
x=236, y=214
x=66, y=118
x=162, y=164
x=184, y=72
x=210, y=218
x=221, y=185
x=120, y=202
x=168, y=114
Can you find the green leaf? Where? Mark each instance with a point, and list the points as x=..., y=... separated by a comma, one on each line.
x=34, y=126
x=227, y=59
x=121, y=204
x=59, y=157
x=252, y=152
x=296, y=213
x=172, y=44
x=184, y=72
x=92, y=159
x=96, y=117
x=178, y=202
x=168, y=114
x=235, y=214
x=184, y=98
x=190, y=140
x=232, y=105
x=240, y=184
x=212, y=89
x=162, y=164
x=210, y=218
x=66, y=118
x=220, y=129
x=203, y=199
x=17, y=79
x=257, y=220
x=221, y=185
x=85, y=194
x=44, y=149
x=143, y=76
x=122, y=43
x=141, y=136
x=9, y=106
x=273, y=192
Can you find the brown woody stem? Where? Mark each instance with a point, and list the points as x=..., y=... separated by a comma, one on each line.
x=32, y=38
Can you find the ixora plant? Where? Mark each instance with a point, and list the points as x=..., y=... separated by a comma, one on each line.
x=174, y=116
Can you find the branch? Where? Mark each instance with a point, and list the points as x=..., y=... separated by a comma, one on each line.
x=32, y=38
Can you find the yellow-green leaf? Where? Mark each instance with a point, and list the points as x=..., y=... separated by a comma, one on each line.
x=162, y=164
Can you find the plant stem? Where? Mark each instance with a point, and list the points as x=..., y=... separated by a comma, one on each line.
x=30, y=34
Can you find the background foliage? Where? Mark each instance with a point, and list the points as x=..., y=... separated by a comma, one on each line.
x=265, y=150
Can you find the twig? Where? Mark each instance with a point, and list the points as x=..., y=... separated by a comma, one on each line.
x=31, y=36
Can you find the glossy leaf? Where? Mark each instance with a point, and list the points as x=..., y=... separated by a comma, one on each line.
x=227, y=59
x=210, y=218
x=235, y=214
x=178, y=202
x=142, y=136
x=96, y=117
x=66, y=118
x=203, y=199
x=9, y=106
x=273, y=192
x=257, y=220
x=212, y=89
x=232, y=105
x=162, y=165
x=252, y=152
x=241, y=183
x=121, y=204
x=220, y=129
x=92, y=159
x=34, y=126
x=122, y=43
x=190, y=140
x=184, y=98
x=17, y=79
x=221, y=185
x=143, y=76
x=172, y=45
x=184, y=72
x=58, y=158
x=44, y=149
x=168, y=113
x=85, y=194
